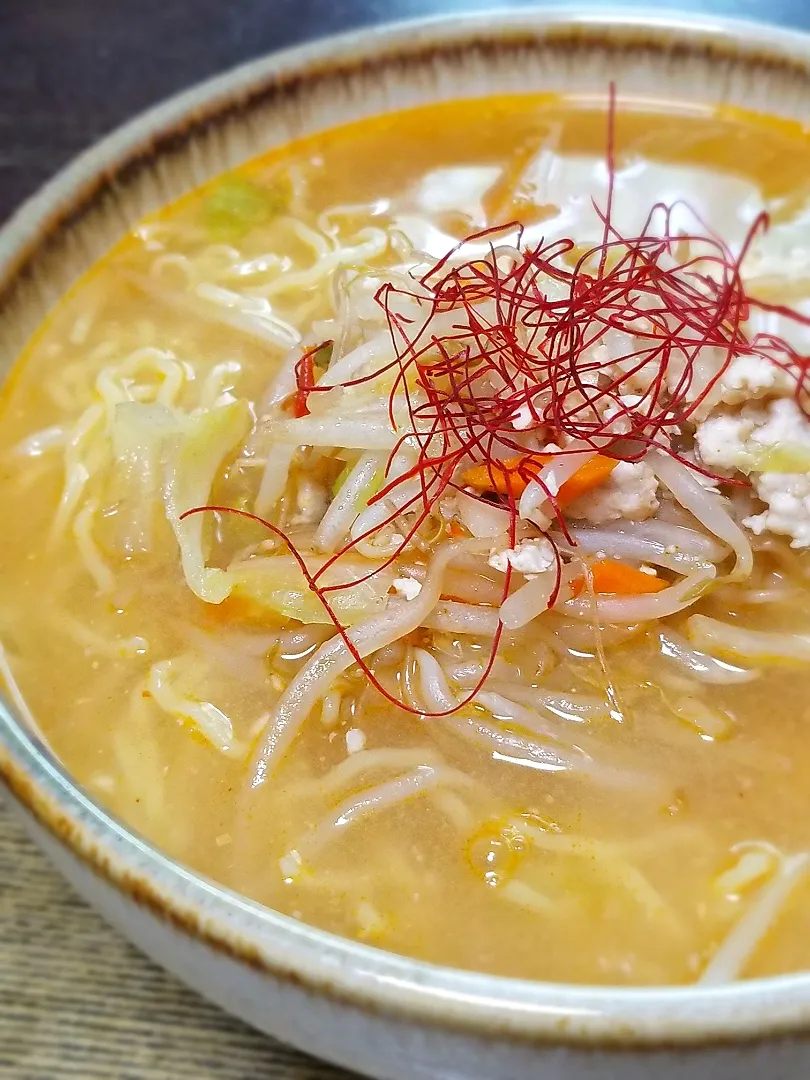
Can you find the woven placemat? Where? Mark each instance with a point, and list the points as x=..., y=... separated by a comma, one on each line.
x=76, y=1000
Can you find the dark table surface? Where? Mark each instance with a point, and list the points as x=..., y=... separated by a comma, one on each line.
x=75, y=1000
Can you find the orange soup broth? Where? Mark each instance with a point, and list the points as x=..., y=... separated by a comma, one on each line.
x=623, y=886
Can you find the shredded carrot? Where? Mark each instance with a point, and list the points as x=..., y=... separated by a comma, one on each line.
x=236, y=608
x=512, y=476
x=592, y=474
x=610, y=576
x=456, y=531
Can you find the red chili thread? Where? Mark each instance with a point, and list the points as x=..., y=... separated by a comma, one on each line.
x=536, y=350
x=305, y=379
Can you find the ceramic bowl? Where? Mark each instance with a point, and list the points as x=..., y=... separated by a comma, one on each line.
x=383, y=1015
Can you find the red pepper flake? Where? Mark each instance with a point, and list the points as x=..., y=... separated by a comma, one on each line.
x=305, y=379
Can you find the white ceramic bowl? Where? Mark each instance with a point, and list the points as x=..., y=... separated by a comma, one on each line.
x=384, y=1015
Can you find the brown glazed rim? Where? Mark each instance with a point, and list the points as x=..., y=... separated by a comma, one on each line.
x=369, y=979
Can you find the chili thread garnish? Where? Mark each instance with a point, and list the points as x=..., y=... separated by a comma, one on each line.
x=305, y=378
x=497, y=351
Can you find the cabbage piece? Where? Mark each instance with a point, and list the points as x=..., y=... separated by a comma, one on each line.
x=177, y=687
x=140, y=436
x=236, y=205
x=206, y=441
x=278, y=584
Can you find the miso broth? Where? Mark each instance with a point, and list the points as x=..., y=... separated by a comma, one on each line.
x=619, y=794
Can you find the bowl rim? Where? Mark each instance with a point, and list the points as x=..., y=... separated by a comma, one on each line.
x=344, y=970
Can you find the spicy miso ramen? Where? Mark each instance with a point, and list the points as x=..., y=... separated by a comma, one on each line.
x=409, y=531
